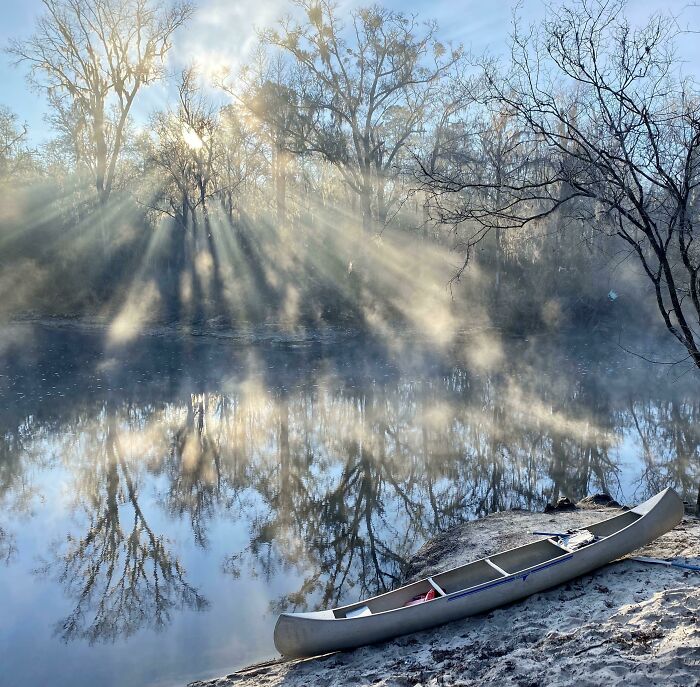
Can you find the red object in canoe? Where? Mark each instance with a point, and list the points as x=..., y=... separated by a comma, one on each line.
x=421, y=598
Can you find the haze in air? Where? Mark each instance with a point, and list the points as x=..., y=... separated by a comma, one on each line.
x=289, y=288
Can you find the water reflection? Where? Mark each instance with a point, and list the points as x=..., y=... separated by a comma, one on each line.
x=7, y=546
x=669, y=436
x=192, y=464
x=119, y=572
x=326, y=464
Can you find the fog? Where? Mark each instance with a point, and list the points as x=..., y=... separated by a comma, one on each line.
x=273, y=318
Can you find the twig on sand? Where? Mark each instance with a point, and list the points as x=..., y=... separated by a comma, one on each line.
x=249, y=671
x=590, y=647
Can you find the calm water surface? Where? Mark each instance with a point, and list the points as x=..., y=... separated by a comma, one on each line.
x=160, y=504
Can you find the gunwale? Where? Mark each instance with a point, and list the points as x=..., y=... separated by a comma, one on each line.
x=473, y=589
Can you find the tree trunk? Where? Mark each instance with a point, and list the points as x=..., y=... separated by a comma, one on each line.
x=366, y=205
x=498, y=262
x=100, y=171
x=281, y=188
x=382, y=209
x=100, y=156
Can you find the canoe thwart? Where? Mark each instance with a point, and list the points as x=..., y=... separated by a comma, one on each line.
x=496, y=568
x=436, y=587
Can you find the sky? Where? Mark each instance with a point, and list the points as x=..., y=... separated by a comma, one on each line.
x=222, y=32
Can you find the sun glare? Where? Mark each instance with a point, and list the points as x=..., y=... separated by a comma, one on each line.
x=191, y=137
x=213, y=66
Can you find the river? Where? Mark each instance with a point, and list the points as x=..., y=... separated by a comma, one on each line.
x=161, y=502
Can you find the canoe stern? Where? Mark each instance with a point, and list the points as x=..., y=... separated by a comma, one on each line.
x=295, y=632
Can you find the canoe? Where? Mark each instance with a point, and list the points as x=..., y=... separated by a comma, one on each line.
x=479, y=586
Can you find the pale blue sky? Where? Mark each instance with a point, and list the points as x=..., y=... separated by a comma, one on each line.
x=222, y=31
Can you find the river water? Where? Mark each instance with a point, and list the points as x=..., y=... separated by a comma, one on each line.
x=161, y=502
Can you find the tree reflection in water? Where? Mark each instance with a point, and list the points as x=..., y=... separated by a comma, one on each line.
x=194, y=468
x=335, y=464
x=8, y=548
x=121, y=574
x=353, y=481
x=17, y=491
x=669, y=435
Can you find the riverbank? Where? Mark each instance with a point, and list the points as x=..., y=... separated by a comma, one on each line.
x=215, y=328
x=121, y=331
x=629, y=623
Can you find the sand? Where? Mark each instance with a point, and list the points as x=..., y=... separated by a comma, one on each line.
x=629, y=623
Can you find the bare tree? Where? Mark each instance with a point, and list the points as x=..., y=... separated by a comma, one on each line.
x=622, y=133
x=480, y=148
x=92, y=57
x=199, y=120
x=265, y=91
x=241, y=161
x=363, y=97
x=15, y=156
x=181, y=151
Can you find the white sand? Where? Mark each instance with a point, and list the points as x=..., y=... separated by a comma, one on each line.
x=629, y=623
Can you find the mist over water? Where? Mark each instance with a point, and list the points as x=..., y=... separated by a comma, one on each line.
x=276, y=310
x=160, y=502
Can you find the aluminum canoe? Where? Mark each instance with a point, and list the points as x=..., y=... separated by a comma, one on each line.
x=476, y=587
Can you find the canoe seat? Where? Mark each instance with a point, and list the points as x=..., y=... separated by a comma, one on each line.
x=436, y=587
x=359, y=612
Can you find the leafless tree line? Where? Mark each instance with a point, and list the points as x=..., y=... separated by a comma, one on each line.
x=589, y=125
x=603, y=129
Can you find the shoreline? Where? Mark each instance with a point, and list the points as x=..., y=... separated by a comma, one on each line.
x=626, y=621
x=248, y=332
x=323, y=331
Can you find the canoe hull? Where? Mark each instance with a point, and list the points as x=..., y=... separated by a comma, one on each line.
x=310, y=634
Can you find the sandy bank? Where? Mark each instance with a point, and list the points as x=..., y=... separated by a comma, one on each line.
x=628, y=624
